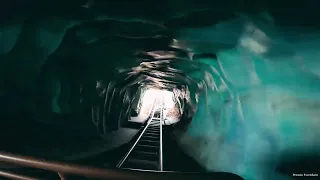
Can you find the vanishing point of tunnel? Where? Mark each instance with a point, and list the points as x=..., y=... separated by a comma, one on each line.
x=159, y=89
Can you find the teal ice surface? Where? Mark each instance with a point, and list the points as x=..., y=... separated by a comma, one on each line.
x=262, y=100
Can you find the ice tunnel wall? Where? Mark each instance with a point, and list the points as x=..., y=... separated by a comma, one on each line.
x=262, y=99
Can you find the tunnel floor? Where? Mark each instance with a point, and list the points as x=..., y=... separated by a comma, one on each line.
x=62, y=141
x=174, y=157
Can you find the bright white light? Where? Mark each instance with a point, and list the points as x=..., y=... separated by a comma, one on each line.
x=162, y=96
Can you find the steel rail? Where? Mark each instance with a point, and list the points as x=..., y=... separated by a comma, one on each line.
x=136, y=142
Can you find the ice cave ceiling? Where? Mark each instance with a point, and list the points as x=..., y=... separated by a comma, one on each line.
x=250, y=62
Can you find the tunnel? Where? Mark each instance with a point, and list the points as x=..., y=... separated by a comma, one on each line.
x=106, y=89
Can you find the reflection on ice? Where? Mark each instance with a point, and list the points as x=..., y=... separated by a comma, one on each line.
x=269, y=108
